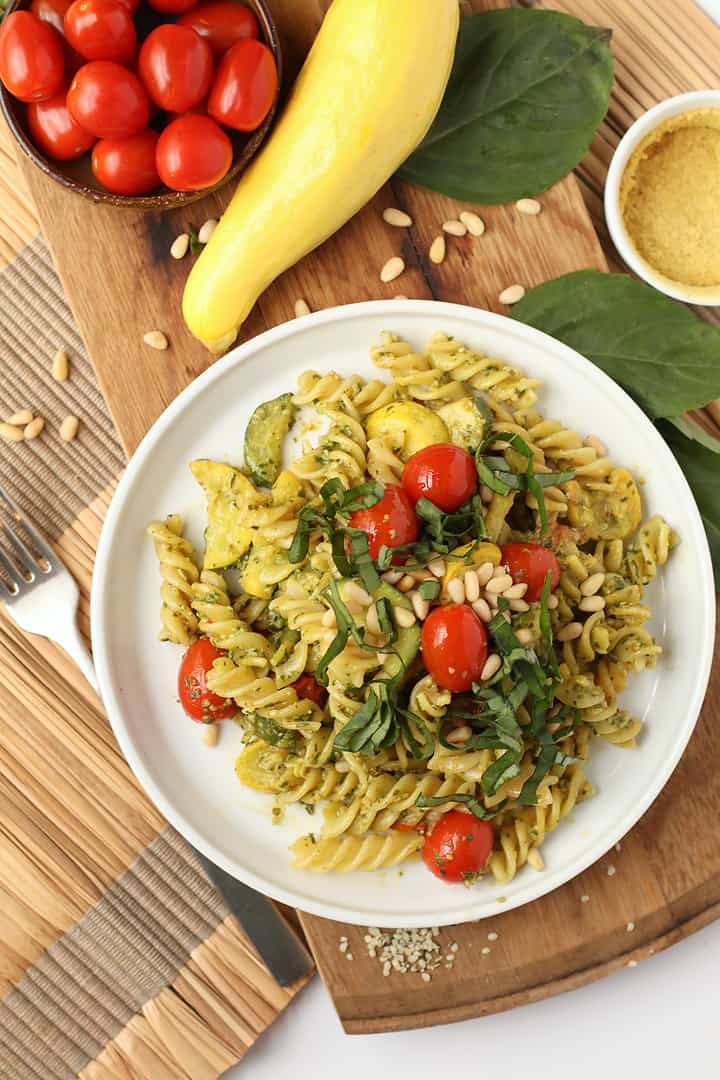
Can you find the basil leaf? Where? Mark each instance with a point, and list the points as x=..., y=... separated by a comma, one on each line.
x=700, y=466
x=527, y=91
x=308, y=519
x=361, y=561
x=550, y=479
x=545, y=761
x=362, y=497
x=429, y=590
x=360, y=728
x=492, y=479
x=339, y=553
x=272, y=733
x=426, y=802
x=386, y=618
x=419, y=750
x=501, y=770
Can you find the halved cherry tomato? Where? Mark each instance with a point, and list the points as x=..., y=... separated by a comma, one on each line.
x=127, y=166
x=309, y=688
x=193, y=153
x=245, y=86
x=221, y=23
x=55, y=131
x=176, y=66
x=197, y=701
x=528, y=564
x=458, y=846
x=31, y=57
x=454, y=646
x=108, y=100
x=101, y=30
x=391, y=522
x=172, y=7
x=443, y=473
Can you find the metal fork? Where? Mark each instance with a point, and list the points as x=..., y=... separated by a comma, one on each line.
x=42, y=596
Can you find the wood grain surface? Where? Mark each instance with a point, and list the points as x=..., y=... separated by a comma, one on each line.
x=121, y=282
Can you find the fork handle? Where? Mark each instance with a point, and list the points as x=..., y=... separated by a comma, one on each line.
x=72, y=643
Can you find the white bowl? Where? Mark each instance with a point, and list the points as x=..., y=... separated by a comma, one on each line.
x=692, y=294
x=195, y=787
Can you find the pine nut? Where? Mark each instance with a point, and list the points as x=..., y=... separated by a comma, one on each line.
x=21, y=418
x=10, y=433
x=437, y=250
x=552, y=603
x=499, y=584
x=456, y=590
x=155, y=339
x=421, y=606
x=486, y=493
x=60, y=366
x=328, y=618
x=403, y=617
x=372, y=621
x=591, y=585
x=516, y=592
x=406, y=583
x=512, y=294
x=482, y=608
x=34, y=428
x=518, y=605
x=459, y=736
x=493, y=600
x=592, y=603
x=210, y=734
x=392, y=269
x=597, y=444
x=180, y=245
x=355, y=592
x=492, y=666
x=524, y=635
x=484, y=572
x=472, y=587
x=535, y=859
x=498, y=570
x=393, y=576
x=301, y=308
x=69, y=428
x=473, y=223
x=570, y=632
x=437, y=568
x=398, y=218
x=401, y=296
x=205, y=231
x=506, y=616
x=454, y=228
x=528, y=206
x=342, y=766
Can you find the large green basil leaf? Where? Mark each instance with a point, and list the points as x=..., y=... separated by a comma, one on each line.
x=526, y=94
x=702, y=471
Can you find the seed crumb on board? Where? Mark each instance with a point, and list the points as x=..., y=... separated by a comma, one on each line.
x=10, y=434
x=486, y=950
x=585, y=899
x=473, y=223
x=33, y=429
x=398, y=218
x=492, y=936
x=512, y=294
x=69, y=428
x=408, y=951
x=21, y=418
x=180, y=245
x=630, y=927
x=155, y=339
x=437, y=250
x=392, y=269
x=632, y=963
x=301, y=308
x=530, y=207
x=60, y=366
x=611, y=871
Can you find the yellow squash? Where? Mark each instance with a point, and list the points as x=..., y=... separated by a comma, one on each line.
x=367, y=94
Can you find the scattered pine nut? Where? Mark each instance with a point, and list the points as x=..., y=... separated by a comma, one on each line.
x=437, y=568
x=406, y=583
x=585, y=899
x=632, y=963
x=459, y=736
x=535, y=859
x=518, y=605
x=398, y=218
x=482, y=608
x=473, y=223
x=592, y=603
x=371, y=620
x=355, y=592
x=499, y=584
x=552, y=603
x=591, y=585
x=403, y=617
x=611, y=871
x=60, y=366
x=630, y=927
x=454, y=228
x=524, y=635
x=342, y=766
x=597, y=444
x=328, y=618
x=472, y=587
x=392, y=269
x=206, y=230
x=531, y=207
x=493, y=936
x=456, y=590
x=180, y=245
x=69, y=428
x=10, y=433
x=401, y=296
x=393, y=576
x=210, y=734
x=492, y=666
x=301, y=308
x=486, y=950
x=484, y=572
x=21, y=418
x=437, y=250
x=516, y=592
x=421, y=606
x=512, y=294
x=155, y=339
x=570, y=632
x=33, y=429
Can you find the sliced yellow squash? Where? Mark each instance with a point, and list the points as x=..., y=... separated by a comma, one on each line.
x=228, y=494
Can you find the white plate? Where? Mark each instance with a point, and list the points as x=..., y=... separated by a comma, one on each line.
x=195, y=787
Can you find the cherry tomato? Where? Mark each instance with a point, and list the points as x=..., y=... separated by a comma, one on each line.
x=193, y=153
x=390, y=522
x=176, y=67
x=528, y=564
x=458, y=846
x=221, y=23
x=244, y=87
x=127, y=166
x=54, y=130
x=309, y=688
x=31, y=57
x=53, y=12
x=443, y=473
x=172, y=7
x=195, y=698
x=454, y=646
x=108, y=100
x=101, y=30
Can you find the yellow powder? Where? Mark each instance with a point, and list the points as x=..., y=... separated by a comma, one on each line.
x=670, y=198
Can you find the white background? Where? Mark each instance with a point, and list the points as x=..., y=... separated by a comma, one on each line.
x=659, y=1020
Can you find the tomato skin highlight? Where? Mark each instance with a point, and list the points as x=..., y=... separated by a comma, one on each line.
x=101, y=30
x=193, y=153
x=32, y=64
x=176, y=67
x=54, y=131
x=528, y=564
x=458, y=846
x=454, y=646
x=108, y=100
x=127, y=166
x=309, y=688
x=221, y=23
x=391, y=522
x=244, y=87
x=443, y=473
x=198, y=702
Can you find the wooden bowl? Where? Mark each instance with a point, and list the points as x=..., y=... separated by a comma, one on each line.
x=77, y=175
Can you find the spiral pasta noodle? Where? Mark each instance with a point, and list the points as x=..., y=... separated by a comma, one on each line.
x=178, y=572
x=345, y=853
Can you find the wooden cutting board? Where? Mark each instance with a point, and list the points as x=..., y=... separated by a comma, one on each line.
x=121, y=282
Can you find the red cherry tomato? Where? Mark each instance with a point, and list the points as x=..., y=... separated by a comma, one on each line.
x=55, y=131
x=528, y=564
x=101, y=30
x=221, y=23
x=172, y=7
x=108, y=100
x=454, y=646
x=53, y=12
x=458, y=846
x=390, y=522
x=195, y=698
x=309, y=688
x=245, y=86
x=31, y=57
x=127, y=166
x=176, y=67
x=193, y=153
x=443, y=473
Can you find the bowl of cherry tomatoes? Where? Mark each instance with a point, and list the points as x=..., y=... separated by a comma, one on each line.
x=143, y=103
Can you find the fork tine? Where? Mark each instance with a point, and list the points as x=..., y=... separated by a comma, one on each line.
x=43, y=547
x=22, y=551
x=14, y=575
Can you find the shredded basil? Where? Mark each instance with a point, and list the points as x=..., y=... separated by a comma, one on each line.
x=429, y=590
x=426, y=802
